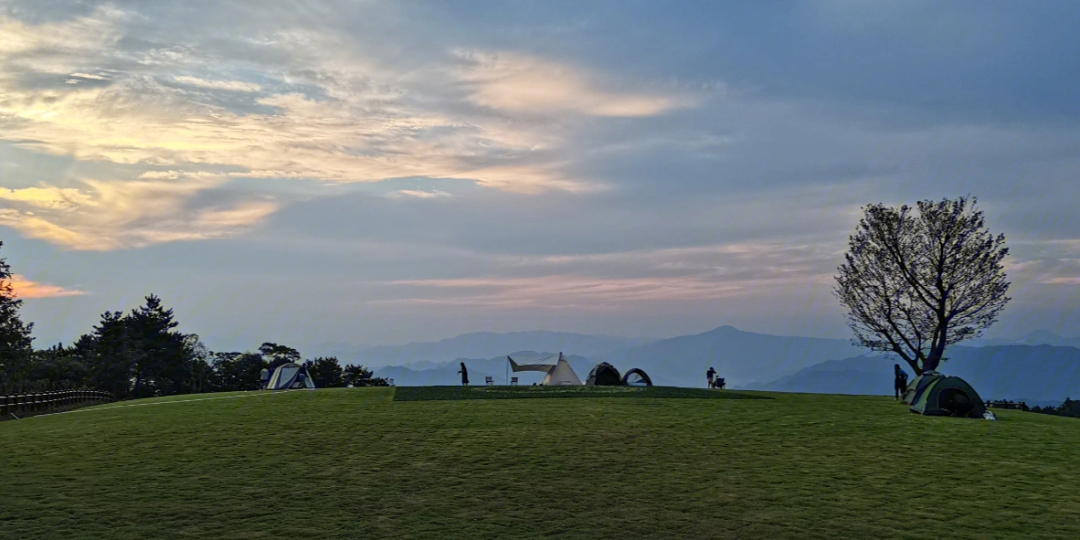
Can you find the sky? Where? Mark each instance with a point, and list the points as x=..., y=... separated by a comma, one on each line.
x=375, y=172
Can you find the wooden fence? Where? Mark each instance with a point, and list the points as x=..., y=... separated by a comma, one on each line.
x=35, y=403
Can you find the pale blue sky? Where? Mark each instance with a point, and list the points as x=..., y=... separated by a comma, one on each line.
x=381, y=172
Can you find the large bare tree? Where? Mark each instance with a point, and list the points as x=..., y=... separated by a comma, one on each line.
x=918, y=279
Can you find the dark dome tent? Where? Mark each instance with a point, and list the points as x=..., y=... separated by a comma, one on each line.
x=943, y=395
x=636, y=377
x=604, y=374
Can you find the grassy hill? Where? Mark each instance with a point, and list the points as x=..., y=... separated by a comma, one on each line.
x=356, y=463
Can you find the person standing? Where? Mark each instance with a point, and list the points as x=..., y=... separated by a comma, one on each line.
x=711, y=374
x=900, y=382
x=464, y=375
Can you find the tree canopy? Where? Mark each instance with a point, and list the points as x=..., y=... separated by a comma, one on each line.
x=16, y=347
x=916, y=280
x=141, y=354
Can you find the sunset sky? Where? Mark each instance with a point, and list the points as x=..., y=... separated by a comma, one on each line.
x=388, y=171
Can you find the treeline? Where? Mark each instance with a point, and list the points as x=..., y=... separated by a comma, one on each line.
x=140, y=354
x=1071, y=407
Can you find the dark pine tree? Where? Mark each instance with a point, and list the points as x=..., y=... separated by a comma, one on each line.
x=15, y=341
x=107, y=355
x=162, y=361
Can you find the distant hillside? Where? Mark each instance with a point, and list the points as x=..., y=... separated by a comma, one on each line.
x=1038, y=337
x=740, y=357
x=420, y=356
x=446, y=373
x=1041, y=374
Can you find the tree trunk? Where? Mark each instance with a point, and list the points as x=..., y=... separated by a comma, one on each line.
x=933, y=359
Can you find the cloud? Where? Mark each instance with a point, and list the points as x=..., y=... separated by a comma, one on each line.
x=53, y=46
x=47, y=197
x=109, y=215
x=561, y=292
x=235, y=86
x=530, y=85
x=25, y=288
x=344, y=129
x=417, y=194
x=1062, y=280
x=321, y=115
x=628, y=280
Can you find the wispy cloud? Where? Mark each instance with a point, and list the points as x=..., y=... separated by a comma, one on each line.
x=613, y=281
x=525, y=84
x=109, y=215
x=418, y=194
x=561, y=292
x=235, y=86
x=25, y=288
x=353, y=122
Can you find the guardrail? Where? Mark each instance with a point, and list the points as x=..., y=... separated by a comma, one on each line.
x=35, y=403
x=1002, y=404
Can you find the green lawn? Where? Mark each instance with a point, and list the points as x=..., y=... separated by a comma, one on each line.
x=429, y=393
x=356, y=463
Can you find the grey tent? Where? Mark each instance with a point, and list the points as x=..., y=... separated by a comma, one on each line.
x=289, y=376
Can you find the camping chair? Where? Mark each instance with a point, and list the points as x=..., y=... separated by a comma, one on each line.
x=720, y=383
x=513, y=381
x=489, y=380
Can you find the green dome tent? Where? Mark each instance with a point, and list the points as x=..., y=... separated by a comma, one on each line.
x=943, y=395
x=918, y=382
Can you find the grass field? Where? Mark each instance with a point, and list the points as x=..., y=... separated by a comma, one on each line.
x=431, y=393
x=356, y=463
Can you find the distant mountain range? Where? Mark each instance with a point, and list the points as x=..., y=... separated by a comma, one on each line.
x=446, y=373
x=740, y=357
x=1039, y=374
x=482, y=345
x=1038, y=337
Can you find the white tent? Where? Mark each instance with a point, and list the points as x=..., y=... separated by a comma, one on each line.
x=559, y=373
x=288, y=376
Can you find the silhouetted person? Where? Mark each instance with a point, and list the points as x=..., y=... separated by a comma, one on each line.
x=711, y=374
x=464, y=375
x=900, y=383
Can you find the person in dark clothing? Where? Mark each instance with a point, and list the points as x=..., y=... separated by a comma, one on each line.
x=464, y=375
x=900, y=383
x=711, y=374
